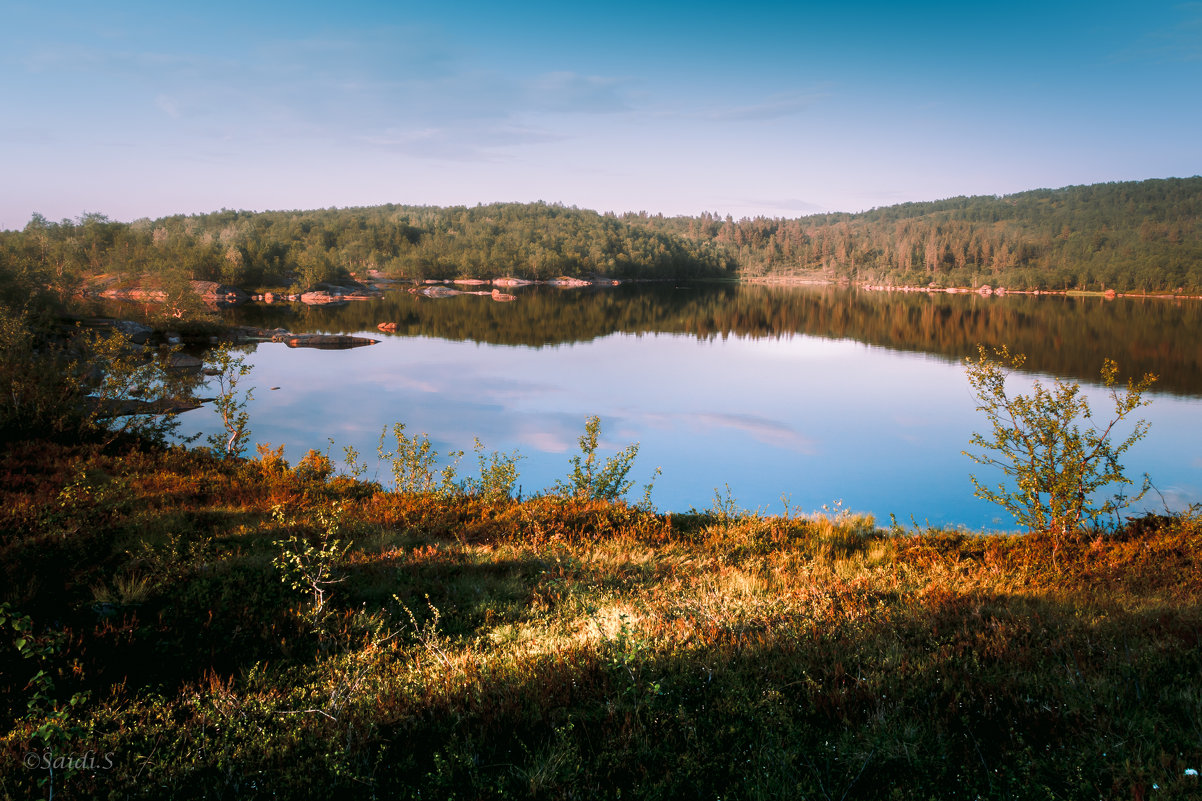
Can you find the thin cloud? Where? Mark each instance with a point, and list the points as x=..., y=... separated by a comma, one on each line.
x=168, y=106
x=389, y=89
x=570, y=92
x=777, y=107
x=1180, y=43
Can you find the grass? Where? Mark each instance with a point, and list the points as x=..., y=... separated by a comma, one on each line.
x=475, y=648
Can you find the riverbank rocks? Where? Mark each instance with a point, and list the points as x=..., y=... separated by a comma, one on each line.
x=327, y=341
x=184, y=361
x=440, y=292
x=249, y=333
x=502, y=297
x=321, y=298
x=134, y=332
x=387, y=326
x=222, y=294
x=120, y=407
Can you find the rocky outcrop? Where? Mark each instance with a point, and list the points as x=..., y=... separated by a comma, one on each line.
x=184, y=361
x=569, y=282
x=114, y=407
x=219, y=293
x=327, y=341
x=322, y=298
x=249, y=333
x=440, y=292
x=136, y=332
x=334, y=294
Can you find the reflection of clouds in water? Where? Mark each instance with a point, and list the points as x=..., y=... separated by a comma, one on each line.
x=1175, y=498
x=715, y=414
x=760, y=429
x=546, y=441
x=458, y=379
x=553, y=432
x=769, y=432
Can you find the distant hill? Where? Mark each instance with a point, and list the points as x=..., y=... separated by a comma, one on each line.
x=1141, y=235
x=1144, y=235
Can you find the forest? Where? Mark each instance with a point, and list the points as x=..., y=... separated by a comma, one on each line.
x=1141, y=236
x=1132, y=236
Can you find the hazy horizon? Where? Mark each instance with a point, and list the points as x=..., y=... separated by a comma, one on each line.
x=716, y=213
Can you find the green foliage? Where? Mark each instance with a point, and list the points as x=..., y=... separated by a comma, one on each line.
x=498, y=474
x=310, y=565
x=413, y=463
x=1128, y=236
x=55, y=722
x=593, y=480
x=39, y=391
x=229, y=370
x=130, y=391
x=1035, y=440
x=356, y=468
x=85, y=382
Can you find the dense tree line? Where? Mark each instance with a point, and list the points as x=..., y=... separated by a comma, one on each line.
x=303, y=248
x=1126, y=236
x=1144, y=235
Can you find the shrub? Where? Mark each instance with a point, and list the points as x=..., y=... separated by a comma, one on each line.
x=589, y=479
x=1035, y=440
x=413, y=463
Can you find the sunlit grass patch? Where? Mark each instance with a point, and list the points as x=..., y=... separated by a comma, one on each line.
x=573, y=647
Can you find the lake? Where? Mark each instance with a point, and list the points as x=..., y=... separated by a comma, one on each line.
x=815, y=395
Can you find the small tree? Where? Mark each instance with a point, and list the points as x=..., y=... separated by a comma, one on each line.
x=1037, y=444
x=229, y=369
x=589, y=479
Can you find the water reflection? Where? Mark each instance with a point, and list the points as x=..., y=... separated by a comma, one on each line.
x=814, y=418
x=1064, y=336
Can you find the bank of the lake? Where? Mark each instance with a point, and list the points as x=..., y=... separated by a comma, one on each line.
x=557, y=648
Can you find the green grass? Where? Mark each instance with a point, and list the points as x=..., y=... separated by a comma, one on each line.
x=571, y=648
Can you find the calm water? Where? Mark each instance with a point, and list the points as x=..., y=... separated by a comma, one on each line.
x=812, y=394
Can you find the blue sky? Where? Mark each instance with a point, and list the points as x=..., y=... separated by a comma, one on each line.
x=147, y=109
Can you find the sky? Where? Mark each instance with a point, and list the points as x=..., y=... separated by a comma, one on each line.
x=134, y=109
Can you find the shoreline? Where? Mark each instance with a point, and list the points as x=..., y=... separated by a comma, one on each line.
x=984, y=291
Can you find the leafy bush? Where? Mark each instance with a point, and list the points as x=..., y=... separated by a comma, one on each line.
x=590, y=479
x=413, y=463
x=1036, y=441
x=498, y=474
x=84, y=382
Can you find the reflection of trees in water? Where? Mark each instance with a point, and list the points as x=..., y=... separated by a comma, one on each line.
x=1061, y=335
